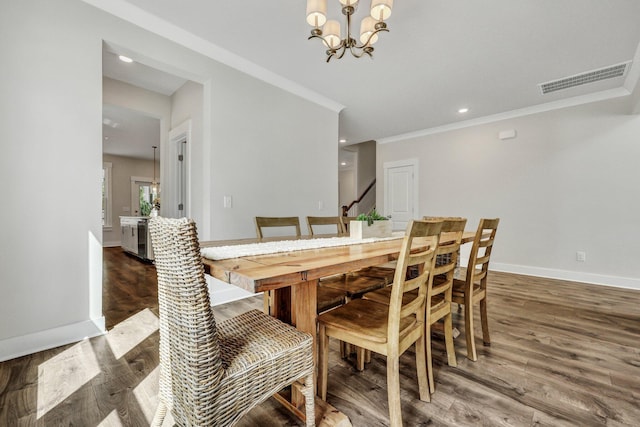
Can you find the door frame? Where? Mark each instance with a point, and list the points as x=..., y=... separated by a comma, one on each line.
x=178, y=135
x=413, y=162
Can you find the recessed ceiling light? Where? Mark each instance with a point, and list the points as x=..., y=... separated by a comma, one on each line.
x=125, y=58
x=343, y=164
x=463, y=110
x=342, y=140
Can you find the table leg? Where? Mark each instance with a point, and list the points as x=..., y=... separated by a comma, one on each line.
x=304, y=317
x=299, y=308
x=277, y=303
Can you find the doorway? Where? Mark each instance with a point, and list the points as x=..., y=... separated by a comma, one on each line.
x=401, y=191
x=142, y=196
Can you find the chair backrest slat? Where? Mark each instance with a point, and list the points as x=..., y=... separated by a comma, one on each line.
x=264, y=222
x=422, y=256
x=345, y=220
x=324, y=220
x=481, y=252
x=447, y=254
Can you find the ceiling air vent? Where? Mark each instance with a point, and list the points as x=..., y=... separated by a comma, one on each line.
x=610, y=72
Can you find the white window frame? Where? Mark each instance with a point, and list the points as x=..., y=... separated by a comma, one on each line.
x=107, y=196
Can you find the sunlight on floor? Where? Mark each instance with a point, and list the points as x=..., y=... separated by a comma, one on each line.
x=131, y=332
x=112, y=420
x=146, y=393
x=66, y=373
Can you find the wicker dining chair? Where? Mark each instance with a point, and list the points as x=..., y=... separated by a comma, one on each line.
x=388, y=329
x=211, y=374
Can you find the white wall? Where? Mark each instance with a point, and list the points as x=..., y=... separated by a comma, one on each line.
x=366, y=175
x=366, y=165
x=50, y=113
x=567, y=183
x=272, y=151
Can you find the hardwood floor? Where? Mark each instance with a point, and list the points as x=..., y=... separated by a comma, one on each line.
x=562, y=354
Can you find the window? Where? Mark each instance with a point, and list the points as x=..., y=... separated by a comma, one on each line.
x=106, y=195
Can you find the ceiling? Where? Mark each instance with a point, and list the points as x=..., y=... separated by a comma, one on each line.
x=489, y=56
x=129, y=133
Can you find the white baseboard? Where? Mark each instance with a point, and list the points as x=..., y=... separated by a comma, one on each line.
x=574, y=276
x=13, y=347
x=111, y=244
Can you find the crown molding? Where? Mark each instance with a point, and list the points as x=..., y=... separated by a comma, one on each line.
x=540, y=108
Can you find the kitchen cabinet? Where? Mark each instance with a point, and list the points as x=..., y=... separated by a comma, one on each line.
x=135, y=238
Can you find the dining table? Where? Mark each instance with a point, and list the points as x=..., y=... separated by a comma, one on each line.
x=289, y=279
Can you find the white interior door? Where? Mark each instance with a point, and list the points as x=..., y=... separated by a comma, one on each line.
x=401, y=191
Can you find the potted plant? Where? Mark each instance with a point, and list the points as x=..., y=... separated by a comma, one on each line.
x=370, y=225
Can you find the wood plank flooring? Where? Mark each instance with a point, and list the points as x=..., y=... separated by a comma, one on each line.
x=562, y=354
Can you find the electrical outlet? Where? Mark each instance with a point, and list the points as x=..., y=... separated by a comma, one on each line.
x=581, y=256
x=227, y=202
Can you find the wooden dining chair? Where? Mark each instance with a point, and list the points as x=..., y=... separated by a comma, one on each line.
x=388, y=329
x=345, y=220
x=211, y=374
x=334, y=291
x=473, y=289
x=262, y=222
x=265, y=222
x=385, y=272
x=324, y=221
x=439, y=295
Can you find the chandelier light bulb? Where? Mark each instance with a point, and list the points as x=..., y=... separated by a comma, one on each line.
x=381, y=9
x=331, y=33
x=349, y=2
x=316, y=12
x=367, y=28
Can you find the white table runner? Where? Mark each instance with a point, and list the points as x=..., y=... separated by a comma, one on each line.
x=265, y=248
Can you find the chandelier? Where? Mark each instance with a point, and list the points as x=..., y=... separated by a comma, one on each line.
x=154, y=184
x=329, y=31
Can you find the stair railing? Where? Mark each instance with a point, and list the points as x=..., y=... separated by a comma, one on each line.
x=347, y=209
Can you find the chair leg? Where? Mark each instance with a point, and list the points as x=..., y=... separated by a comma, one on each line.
x=344, y=350
x=468, y=330
x=309, y=401
x=360, y=358
x=323, y=361
x=423, y=369
x=429, y=364
x=393, y=391
x=486, y=339
x=158, y=417
x=448, y=340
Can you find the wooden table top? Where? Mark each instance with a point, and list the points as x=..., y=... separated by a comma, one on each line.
x=267, y=272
